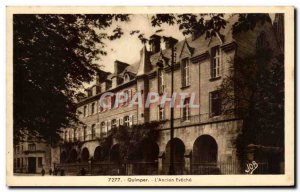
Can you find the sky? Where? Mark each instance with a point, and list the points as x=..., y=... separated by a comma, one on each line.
x=127, y=48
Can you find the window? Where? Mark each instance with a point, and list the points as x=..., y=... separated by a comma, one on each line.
x=40, y=162
x=113, y=123
x=126, y=121
x=93, y=108
x=84, y=111
x=75, y=135
x=18, y=162
x=84, y=133
x=161, y=113
x=185, y=72
x=70, y=136
x=113, y=100
x=161, y=82
x=186, y=112
x=126, y=78
x=93, y=131
x=103, y=131
x=31, y=147
x=126, y=95
x=215, y=103
x=215, y=62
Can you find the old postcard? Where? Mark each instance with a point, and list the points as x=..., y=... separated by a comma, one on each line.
x=150, y=96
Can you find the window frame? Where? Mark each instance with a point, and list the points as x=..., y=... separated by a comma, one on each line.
x=186, y=110
x=212, y=102
x=215, y=67
x=185, y=72
x=161, y=81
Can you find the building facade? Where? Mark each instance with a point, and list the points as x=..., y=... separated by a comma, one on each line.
x=204, y=137
x=31, y=156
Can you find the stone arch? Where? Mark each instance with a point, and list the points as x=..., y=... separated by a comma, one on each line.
x=205, y=155
x=85, y=155
x=73, y=156
x=178, y=155
x=63, y=157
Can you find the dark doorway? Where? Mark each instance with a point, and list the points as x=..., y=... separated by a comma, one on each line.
x=205, y=155
x=31, y=164
x=178, y=156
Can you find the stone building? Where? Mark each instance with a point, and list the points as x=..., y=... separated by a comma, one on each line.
x=31, y=156
x=204, y=138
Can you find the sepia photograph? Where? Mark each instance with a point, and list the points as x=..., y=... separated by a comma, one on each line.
x=136, y=96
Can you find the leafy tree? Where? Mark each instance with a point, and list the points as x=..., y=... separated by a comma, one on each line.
x=53, y=56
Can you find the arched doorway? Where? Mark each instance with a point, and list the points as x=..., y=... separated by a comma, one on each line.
x=73, y=156
x=205, y=155
x=85, y=155
x=63, y=157
x=99, y=154
x=178, y=156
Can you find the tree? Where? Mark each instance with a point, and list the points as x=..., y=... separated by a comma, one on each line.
x=53, y=56
x=254, y=91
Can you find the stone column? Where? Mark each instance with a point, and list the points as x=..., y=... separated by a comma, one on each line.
x=187, y=161
x=161, y=156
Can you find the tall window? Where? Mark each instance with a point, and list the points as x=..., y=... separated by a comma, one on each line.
x=103, y=131
x=113, y=123
x=93, y=131
x=215, y=62
x=186, y=112
x=31, y=147
x=84, y=111
x=161, y=113
x=126, y=121
x=185, y=72
x=161, y=81
x=113, y=100
x=75, y=135
x=84, y=133
x=93, y=108
x=70, y=135
x=215, y=103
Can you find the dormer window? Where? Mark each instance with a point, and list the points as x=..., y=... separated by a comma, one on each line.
x=126, y=78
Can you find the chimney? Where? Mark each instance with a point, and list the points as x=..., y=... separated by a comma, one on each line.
x=154, y=43
x=170, y=42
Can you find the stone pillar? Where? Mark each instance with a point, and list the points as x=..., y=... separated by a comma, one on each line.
x=187, y=162
x=161, y=156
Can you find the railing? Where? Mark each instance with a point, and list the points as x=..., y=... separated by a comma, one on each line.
x=202, y=118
